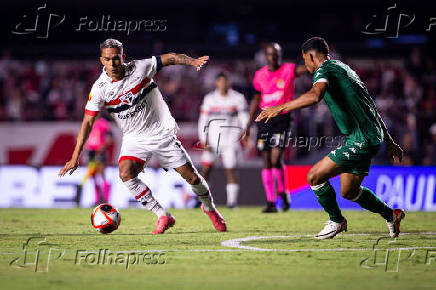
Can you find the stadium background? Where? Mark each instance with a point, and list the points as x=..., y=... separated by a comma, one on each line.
x=46, y=74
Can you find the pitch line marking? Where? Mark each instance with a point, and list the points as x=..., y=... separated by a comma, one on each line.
x=236, y=243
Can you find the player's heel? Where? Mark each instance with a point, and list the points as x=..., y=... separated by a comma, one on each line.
x=345, y=225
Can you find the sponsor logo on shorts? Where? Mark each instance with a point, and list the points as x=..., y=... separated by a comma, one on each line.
x=260, y=144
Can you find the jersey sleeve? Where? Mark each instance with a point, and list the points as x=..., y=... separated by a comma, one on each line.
x=242, y=103
x=256, y=83
x=243, y=115
x=321, y=75
x=202, y=121
x=149, y=66
x=205, y=106
x=95, y=101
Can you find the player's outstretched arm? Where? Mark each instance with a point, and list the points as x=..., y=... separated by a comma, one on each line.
x=310, y=98
x=85, y=129
x=182, y=59
x=392, y=148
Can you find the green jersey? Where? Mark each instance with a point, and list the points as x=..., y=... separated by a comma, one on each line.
x=349, y=102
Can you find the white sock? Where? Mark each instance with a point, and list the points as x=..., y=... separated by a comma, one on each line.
x=99, y=180
x=143, y=195
x=201, y=189
x=232, y=194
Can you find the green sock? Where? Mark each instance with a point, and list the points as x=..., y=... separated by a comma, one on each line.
x=327, y=199
x=368, y=200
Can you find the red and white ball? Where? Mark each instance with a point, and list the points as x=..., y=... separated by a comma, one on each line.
x=105, y=218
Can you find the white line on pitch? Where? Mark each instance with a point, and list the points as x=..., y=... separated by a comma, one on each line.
x=236, y=243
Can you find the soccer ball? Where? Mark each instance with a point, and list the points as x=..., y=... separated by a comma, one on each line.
x=105, y=218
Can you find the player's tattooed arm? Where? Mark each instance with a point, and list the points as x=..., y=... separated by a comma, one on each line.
x=182, y=59
x=85, y=129
x=310, y=98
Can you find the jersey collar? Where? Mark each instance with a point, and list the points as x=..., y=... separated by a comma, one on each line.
x=321, y=65
x=218, y=93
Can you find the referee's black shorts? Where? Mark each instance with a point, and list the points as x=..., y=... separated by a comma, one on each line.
x=93, y=156
x=274, y=133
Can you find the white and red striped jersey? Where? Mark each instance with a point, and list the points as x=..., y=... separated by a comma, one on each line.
x=222, y=118
x=135, y=102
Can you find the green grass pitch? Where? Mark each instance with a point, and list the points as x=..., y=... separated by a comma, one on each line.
x=260, y=251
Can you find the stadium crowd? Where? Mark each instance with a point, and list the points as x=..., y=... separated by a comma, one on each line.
x=404, y=90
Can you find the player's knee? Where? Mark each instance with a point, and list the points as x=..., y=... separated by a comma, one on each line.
x=312, y=177
x=126, y=173
x=276, y=164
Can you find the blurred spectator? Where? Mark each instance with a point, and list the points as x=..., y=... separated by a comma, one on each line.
x=430, y=157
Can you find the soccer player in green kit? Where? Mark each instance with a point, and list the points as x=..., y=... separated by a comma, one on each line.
x=356, y=116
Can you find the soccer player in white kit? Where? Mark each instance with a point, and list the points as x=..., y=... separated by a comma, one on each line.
x=223, y=116
x=130, y=95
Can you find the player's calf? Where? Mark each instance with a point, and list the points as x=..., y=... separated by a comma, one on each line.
x=368, y=200
x=201, y=189
x=198, y=184
x=144, y=196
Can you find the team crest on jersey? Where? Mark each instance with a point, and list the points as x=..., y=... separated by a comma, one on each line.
x=127, y=98
x=280, y=84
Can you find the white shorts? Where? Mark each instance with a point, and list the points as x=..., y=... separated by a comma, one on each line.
x=167, y=150
x=228, y=156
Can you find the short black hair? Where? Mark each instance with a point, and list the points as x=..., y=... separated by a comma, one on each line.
x=222, y=75
x=111, y=43
x=276, y=46
x=316, y=43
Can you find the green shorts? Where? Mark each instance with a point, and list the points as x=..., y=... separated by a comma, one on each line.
x=354, y=156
